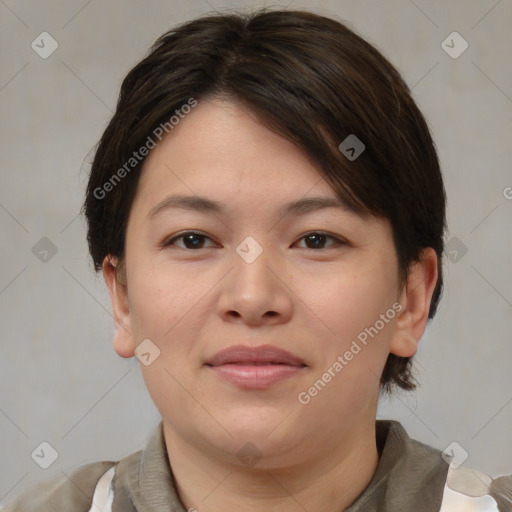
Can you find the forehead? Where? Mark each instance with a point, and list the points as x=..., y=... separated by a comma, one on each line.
x=221, y=148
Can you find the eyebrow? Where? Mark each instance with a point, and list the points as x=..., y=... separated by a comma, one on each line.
x=206, y=205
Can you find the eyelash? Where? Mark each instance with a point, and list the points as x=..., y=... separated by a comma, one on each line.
x=170, y=242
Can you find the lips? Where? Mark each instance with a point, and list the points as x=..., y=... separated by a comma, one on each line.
x=255, y=367
x=262, y=355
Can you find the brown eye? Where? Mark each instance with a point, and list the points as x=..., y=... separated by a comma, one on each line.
x=318, y=240
x=191, y=240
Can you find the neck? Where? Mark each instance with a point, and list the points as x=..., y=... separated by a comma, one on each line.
x=330, y=480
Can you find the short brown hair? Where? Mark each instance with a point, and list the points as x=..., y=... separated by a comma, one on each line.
x=314, y=81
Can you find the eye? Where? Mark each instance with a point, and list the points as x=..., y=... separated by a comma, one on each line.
x=194, y=240
x=316, y=240
x=191, y=240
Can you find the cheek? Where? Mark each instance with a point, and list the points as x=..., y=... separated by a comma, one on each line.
x=173, y=306
x=344, y=303
x=167, y=309
x=159, y=302
x=351, y=351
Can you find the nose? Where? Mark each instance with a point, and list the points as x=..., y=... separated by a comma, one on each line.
x=254, y=292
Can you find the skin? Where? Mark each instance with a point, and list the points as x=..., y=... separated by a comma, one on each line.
x=312, y=300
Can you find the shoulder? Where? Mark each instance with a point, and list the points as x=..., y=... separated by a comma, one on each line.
x=471, y=488
x=72, y=491
x=429, y=473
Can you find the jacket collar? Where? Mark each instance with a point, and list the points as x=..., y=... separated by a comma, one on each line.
x=410, y=476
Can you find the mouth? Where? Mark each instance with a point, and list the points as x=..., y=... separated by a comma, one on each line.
x=255, y=367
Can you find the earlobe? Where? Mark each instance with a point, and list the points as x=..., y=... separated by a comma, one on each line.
x=123, y=340
x=415, y=300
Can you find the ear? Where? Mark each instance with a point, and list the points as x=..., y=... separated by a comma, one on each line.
x=118, y=291
x=415, y=300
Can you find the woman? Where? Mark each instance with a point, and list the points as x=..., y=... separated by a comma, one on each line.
x=267, y=208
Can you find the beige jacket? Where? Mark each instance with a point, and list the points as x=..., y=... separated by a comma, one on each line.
x=410, y=477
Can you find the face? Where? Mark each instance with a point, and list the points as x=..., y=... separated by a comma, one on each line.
x=294, y=290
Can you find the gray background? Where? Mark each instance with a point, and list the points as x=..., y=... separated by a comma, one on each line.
x=61, y=381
